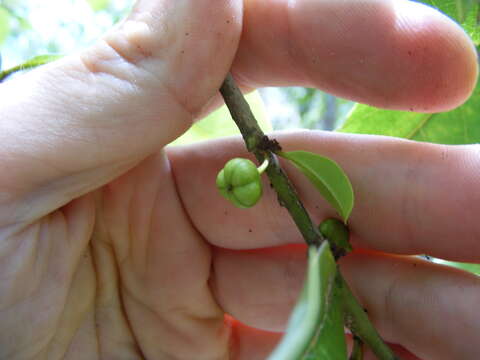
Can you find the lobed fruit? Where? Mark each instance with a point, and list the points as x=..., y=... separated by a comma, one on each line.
x=239, y=181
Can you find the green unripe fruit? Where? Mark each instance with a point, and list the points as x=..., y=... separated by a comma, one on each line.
x=239, y=181
x=337, y=234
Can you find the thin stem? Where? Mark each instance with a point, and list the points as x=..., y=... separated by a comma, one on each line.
x=242, y=115
x=263, y=167
x=357, y=351
x=358, y=322
x=30, y=64
x=262, y=147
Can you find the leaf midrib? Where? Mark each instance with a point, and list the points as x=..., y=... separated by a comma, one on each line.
x=419, y=126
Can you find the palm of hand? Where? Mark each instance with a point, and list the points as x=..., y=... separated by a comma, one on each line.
x=101, y=279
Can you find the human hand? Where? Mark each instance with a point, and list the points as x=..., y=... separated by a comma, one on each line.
x=112, y=248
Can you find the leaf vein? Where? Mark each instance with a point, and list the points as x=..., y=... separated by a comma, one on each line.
x=419, y=127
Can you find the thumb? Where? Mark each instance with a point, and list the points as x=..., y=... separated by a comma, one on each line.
x=73, y=125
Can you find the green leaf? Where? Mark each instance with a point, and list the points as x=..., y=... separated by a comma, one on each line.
x=328, y=177
x=473, y=268
x=310, y=312
x=220, y=123
x=459, y=126
x=329, y=342
x=30, y=64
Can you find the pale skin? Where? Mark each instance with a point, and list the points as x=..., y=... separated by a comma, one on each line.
x=112, y=248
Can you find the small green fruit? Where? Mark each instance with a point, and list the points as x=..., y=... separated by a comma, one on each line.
x=239, y=181
x=337, y=233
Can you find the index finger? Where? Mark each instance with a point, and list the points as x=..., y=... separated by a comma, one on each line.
x=411, y=198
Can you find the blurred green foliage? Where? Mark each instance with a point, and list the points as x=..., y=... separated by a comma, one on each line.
x=318, y=110
x=32, y=27
x=220, y=124
x=465, y=12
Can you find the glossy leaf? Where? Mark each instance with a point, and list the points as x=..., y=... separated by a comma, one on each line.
x=220, y=124
x=310, y=312
x=328, y=177
x=30, y=64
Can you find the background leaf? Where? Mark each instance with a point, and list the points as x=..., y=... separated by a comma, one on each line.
x=220, y=123
x=459, y=126
x=463, y=8
x=328, y=177
x=310, y=312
